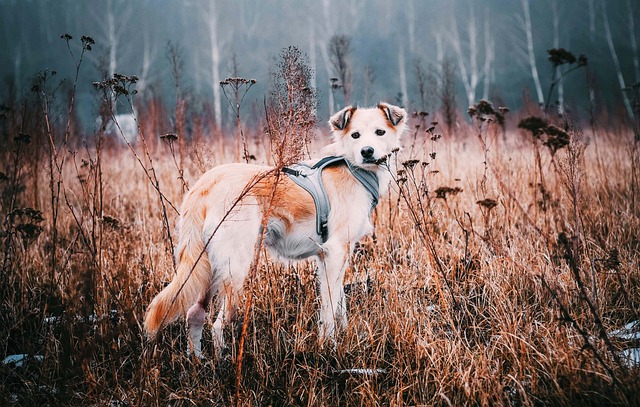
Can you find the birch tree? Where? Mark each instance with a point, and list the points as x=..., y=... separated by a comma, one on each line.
x=468, y=74
x=530, y=51
x=556, y=45
x=411, y=26
x=210, y=15
x=489, y=55
x=327, y=31
x=215, y=62
x=468, y=56
x=614, y=57
x=403, y=76
x=112, y=21
x=112, y=39
x=150, y=53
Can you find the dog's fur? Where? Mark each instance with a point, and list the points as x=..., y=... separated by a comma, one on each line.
x=222, y=217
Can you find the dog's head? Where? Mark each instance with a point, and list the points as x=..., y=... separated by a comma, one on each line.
x=366, y=136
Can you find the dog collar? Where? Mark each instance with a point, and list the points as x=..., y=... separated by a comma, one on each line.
x=310, y=179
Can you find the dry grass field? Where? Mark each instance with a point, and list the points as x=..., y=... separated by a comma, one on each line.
x=500, y=267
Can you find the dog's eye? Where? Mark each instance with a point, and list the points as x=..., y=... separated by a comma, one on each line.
x=355, y=135
x=380, y=132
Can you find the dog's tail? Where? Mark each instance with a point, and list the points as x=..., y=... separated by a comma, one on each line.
x=193, y=276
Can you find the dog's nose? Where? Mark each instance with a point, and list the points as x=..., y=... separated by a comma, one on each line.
x=367, y=152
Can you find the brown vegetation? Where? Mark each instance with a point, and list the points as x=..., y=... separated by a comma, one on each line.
x=501, y=261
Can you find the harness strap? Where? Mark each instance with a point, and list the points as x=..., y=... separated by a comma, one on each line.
x=369, y=180
x=310, y=179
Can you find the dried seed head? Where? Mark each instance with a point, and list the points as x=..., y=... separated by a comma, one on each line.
x=534, y=124
x=560, y=56
x=557, y=139
x=169, y=137
x=488, y=203
x=442, y=192
x=483, y=111
x=472, y=111
x=409, y=164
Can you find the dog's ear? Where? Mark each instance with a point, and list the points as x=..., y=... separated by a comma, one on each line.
x=340, y=120
x=394, y=114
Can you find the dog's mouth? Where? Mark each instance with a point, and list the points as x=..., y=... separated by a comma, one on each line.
x=375, y=161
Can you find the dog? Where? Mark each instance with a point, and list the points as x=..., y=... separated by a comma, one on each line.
x=223, y=223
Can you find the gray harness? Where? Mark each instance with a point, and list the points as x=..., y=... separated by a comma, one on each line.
x=310, y=179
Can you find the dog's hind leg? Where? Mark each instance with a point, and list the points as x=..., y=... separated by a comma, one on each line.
x=231, y=253
x=195, y=323
x=332, y=265
x=228, y=307
x=229, y=292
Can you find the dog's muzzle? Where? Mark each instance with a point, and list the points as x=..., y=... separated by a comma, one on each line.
x=367, y=154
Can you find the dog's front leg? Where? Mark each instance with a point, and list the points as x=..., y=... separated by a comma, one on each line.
x=332, y=264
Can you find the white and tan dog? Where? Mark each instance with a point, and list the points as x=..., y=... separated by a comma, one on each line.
x=222, y=217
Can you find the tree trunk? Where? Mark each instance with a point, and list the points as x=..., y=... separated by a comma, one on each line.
x=556, y=44
x=469, y=76
x=328, y=31
x=403, y=76
x=411, y=27
x=113, y=39
x=457, y=46
x=473, y=55
x=530, y=51
x=146, y=62
x=489, y=54
x=614, y=57
x=215, y=63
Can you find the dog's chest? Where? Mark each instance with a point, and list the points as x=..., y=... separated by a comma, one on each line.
x=301, y=241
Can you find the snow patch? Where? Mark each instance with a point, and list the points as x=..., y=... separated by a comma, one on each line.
x=631, y=357
x=19, y=359
x=631, y=331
